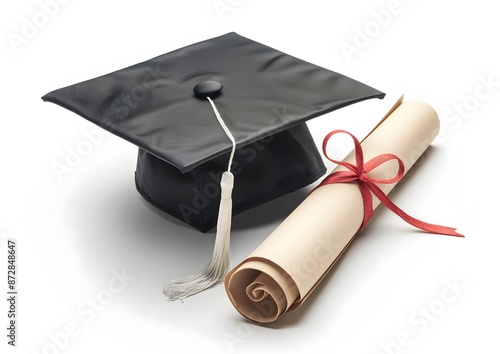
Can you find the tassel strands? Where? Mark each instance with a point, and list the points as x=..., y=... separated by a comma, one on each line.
x=214, y=272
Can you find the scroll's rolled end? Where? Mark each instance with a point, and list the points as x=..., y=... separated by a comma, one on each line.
x=263, y=294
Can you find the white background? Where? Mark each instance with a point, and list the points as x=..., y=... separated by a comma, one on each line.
x=73, y=234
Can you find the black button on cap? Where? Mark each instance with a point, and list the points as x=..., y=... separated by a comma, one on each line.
x=208, y=89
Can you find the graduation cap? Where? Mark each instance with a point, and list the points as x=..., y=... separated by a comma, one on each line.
x=222, y=111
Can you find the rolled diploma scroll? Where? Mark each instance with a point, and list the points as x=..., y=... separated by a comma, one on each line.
x=283, y=271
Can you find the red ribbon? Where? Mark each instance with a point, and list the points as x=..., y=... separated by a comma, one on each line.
x=367, y=185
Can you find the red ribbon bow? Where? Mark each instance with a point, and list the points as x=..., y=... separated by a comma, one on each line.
x=367, y=185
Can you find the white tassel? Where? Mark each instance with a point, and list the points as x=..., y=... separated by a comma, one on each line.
x=213, y=273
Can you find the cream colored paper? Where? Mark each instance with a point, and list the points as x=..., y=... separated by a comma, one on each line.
x=283, y=271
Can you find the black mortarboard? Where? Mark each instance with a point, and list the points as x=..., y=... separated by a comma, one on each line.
x=264, y=97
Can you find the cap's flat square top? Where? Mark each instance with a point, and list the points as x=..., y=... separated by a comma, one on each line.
x=152, y=104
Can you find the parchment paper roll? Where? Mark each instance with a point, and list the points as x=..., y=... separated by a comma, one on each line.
x=283, y=271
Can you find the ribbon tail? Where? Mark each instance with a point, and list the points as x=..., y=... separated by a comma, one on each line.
x=433, y=228
x=366, y=194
